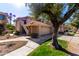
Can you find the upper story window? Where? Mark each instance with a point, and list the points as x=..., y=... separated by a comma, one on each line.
x=2, y=17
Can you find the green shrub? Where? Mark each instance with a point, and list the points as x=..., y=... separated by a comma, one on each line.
x=10, y=28
x=71, y=33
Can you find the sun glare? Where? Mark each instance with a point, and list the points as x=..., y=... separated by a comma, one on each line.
x=18, y=4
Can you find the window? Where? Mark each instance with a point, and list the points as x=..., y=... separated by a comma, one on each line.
x=2, y=17
x=24, y=21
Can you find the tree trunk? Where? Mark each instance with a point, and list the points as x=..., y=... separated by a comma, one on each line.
x=54, y=37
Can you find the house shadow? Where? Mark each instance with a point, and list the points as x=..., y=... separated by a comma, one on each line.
x=45, y=38
x=41, y=39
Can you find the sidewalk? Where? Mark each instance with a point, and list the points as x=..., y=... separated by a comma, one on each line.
x=23, y=51
x=29, y=47
x=32, y=44
x=73, y=43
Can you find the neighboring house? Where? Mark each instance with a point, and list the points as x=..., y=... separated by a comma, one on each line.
x=39, y=28
x=3, y=20
x=29, y=26
x=20, y=23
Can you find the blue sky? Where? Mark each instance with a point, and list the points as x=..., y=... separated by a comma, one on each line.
x=18, y=9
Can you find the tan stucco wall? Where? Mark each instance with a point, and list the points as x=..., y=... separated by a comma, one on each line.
x=44, y=30
x=4, y=21
x=17, y=25
x=35, y=27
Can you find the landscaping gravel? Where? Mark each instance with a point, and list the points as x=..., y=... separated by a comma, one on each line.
x=7, y=47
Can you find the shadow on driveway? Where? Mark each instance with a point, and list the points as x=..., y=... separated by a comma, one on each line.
x=44, y=38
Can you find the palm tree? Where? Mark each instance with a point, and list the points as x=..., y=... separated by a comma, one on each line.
x=11, y=16
x=54, y=11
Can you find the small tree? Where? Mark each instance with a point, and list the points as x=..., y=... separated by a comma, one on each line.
x=54, y=11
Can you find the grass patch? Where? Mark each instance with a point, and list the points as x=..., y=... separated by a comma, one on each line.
x=46, y=50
